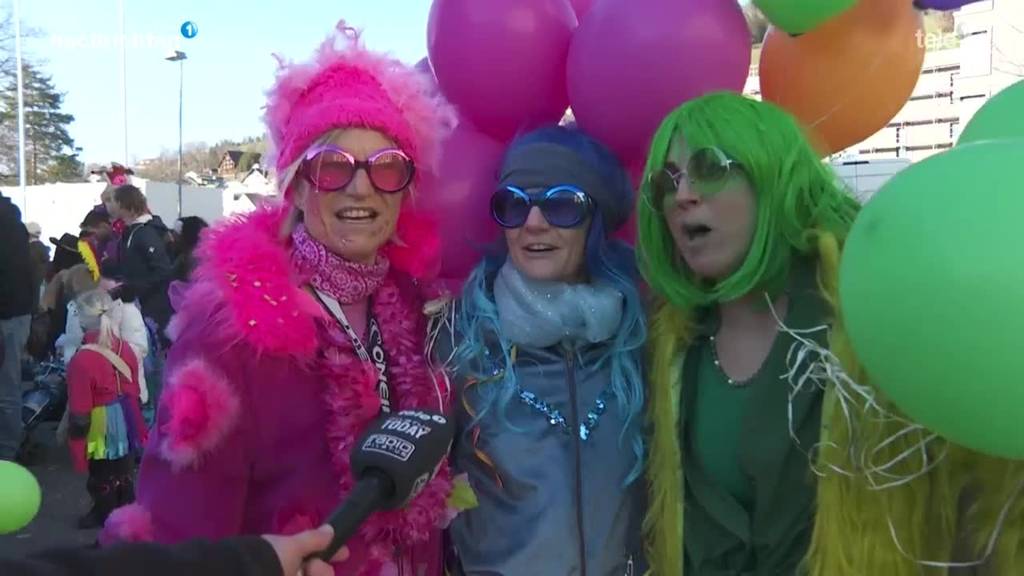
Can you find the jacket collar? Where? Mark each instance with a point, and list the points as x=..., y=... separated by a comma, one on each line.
x=141, y=220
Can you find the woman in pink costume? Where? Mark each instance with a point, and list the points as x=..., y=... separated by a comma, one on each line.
x=305, y=321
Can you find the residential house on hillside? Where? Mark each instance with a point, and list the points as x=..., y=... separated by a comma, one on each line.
x=231, y=163
x=258, y=181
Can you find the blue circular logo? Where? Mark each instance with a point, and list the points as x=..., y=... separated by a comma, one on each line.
x=189, y=29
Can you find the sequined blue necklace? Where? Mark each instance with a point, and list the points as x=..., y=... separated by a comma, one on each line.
x=555, y=417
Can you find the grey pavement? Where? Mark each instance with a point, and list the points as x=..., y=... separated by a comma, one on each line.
x=64, y=500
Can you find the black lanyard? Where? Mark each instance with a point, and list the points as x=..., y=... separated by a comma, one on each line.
x=376, y=356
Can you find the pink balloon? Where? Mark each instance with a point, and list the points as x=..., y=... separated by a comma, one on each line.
x=635, y=169
x=581, y=7
x=459, y=198
x=631, y=63
x=502, y=62
x=423, y=66
x=628, y=231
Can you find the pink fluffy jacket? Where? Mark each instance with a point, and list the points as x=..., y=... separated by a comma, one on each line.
x=255, y=427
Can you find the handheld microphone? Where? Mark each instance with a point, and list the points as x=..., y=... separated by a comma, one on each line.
x=392, y=462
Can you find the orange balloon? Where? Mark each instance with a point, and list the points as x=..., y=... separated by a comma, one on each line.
x=846, y=79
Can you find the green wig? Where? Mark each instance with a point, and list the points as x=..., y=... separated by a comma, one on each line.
x=798, y=196
x=803, y=209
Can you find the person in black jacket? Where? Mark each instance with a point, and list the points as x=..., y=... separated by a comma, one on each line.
x=243, y=556
x=16, y=305
x=144, y=267
x=189, y=228
x=39, y=259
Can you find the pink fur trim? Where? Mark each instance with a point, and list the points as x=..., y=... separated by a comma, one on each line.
x=201, y=409
x=375, y=91
x=419, y=251
x=131, y=523
x=247, y=269
x=353, y=403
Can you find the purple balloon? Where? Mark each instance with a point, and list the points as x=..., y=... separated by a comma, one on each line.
x=581, y=7
x=629, y=67
x=459, y=198
x=944, y=5
x=502, y=62
x=423, y=66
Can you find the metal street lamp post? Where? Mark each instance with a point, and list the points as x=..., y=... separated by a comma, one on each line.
x=179, y=57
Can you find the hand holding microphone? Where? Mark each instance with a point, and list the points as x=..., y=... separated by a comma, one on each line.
x=392, y=462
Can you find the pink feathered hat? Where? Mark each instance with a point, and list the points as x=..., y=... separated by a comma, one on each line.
x=345, y=85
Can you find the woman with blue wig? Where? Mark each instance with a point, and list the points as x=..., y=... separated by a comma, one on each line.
x=547, y=355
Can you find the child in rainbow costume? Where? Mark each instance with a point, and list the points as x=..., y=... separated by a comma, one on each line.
x=105, y=427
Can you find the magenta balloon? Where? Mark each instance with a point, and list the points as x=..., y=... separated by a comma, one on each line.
x=628, y=231
x=633, y=62
x=581, y=7
x=423, y=66
x=459, y=197
x=502, y=62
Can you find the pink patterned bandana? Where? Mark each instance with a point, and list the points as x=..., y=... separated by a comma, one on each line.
x=345, y=281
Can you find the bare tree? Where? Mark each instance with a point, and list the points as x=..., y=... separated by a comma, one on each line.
x=8, y=58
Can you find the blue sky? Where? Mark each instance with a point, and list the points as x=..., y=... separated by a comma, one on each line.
x=229, y=64
x=228, y=69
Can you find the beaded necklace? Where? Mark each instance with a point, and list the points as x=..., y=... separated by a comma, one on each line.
x=555, y=417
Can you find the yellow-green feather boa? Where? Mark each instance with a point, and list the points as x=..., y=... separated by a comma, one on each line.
x=955, y=506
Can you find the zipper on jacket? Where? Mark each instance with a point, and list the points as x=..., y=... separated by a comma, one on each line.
x=570, y=370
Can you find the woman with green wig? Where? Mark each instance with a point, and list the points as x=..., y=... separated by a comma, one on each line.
x=765, y=430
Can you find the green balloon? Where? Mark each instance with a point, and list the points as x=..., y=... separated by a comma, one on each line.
x=932, y=292
x=799, y=16
x=1001, y=117
x=19, y=497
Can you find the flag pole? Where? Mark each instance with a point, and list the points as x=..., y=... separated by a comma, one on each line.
x=124, y=81
x=21, y=109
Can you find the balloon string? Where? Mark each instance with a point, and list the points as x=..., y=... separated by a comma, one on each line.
x=850, y=96
x=814, y=366
x=444, y=318
x=822, y=368
x=989, y=548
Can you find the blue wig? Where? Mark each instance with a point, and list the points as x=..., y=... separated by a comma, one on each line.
x=484, y=353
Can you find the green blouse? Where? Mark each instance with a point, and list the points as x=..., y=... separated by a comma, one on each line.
x=748, y=486
x=716, y=428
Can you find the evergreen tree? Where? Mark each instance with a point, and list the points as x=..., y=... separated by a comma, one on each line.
x=50, y=152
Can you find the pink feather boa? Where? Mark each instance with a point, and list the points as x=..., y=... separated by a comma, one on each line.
x=353, y=401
